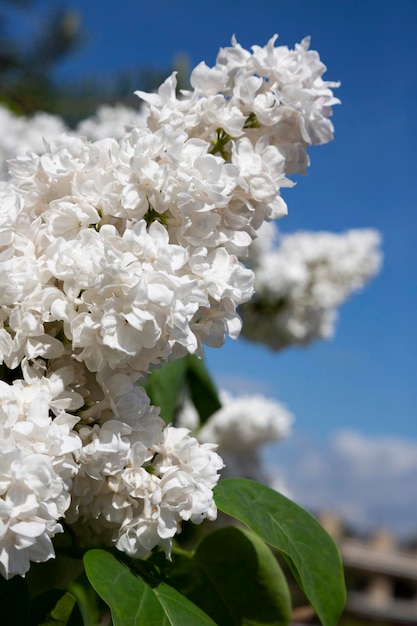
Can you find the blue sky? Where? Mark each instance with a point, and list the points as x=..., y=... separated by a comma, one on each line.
x=364, y=380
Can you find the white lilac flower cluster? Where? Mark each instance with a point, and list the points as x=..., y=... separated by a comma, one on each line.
x=115, y=473
x=137, y=479
x=260, y=111
x=20, y=134
x=37, y=463
x=120, y=254
x=300, y=284
x=111, y=121
x=243, y=425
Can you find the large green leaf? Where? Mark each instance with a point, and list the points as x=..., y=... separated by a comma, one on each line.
x=247, y=577
x=234, y=577
x=310, y=552
x=133, y=602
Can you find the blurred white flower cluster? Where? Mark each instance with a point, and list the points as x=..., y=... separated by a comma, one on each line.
x=111, y=121
x=243, y=425
x=121, y=253
x=300, y=284
x=32, y=134
x=20, y=134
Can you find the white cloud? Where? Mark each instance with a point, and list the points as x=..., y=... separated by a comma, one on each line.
x=370, y=481
x=240, y=384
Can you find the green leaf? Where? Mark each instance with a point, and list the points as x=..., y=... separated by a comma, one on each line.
x=61, y=613
x=201, y=388
x=247, y=577
x=87, y=600
x=133, y=602
x=309, y=550
x=14, y=600
x=54, y=607
x=234, y=577
x=164, y=387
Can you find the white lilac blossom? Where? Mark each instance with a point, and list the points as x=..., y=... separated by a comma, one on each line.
x=129, y=248
x=36, y=470
x=301, y=283
x=139, y=480
x=20, y=134
x=272, y=94
x=115, y=473
x=240, y=428
x=119, y=253
x=111, y=121
x=260, y=111
x=126, y=271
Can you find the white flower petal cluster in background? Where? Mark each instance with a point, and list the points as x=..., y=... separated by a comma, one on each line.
x=241, y=428
x=111, y=121
x=300, y=284
x=20, y=134
x=119, y=252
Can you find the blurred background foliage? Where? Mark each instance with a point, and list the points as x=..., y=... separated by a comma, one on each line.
x=36, y=36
